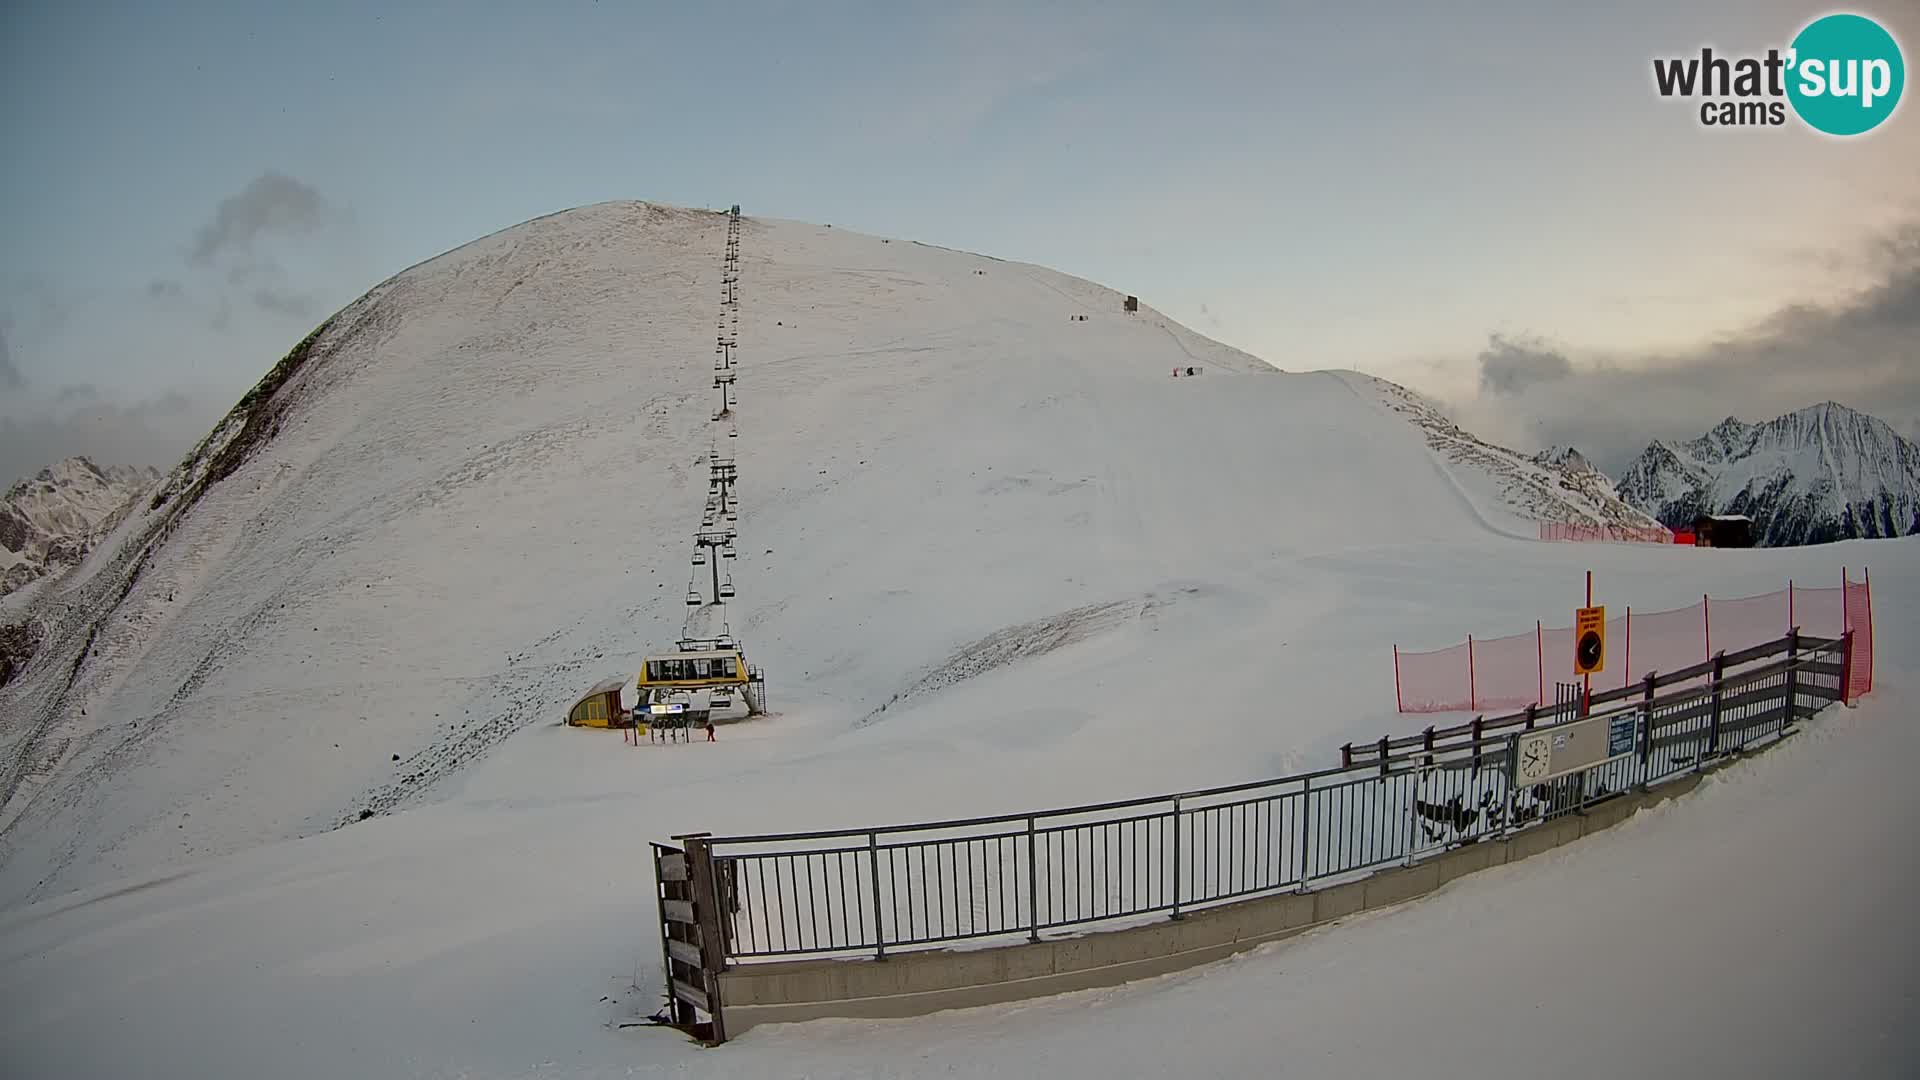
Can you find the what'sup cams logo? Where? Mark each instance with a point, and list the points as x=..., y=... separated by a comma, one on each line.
x=1841, y=75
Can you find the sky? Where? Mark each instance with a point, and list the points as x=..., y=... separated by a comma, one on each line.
x=1488, y=203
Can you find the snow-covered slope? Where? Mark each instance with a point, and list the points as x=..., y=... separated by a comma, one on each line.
x=470, y=495
x=1512, y=490
x=49, y=521
x=1822, y=473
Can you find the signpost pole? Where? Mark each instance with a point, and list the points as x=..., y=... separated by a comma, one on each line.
x=1586, y=681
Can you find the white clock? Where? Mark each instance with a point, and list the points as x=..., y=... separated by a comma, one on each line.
x=1534, y=756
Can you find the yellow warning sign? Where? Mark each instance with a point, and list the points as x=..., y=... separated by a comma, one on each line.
x=1589, y=640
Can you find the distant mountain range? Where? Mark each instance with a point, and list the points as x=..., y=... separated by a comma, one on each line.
x=49, y=521
x=1820, y=474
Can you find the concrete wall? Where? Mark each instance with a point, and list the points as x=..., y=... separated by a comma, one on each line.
x=916, y=983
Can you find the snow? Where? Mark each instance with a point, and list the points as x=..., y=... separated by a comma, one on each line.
x=1822, y=472
x=1066, y=576
x=49, y=520
x=504, y=928
x=1761, y=927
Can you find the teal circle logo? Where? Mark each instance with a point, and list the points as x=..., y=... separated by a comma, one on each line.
x=1845, y=74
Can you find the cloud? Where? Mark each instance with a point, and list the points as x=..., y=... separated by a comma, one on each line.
x=10, y=377
x=273, y=202
x=283, y=302
x=1509, y=366
x=76, y=392
x=157, y=431
x=239, y=244
x=165, y=289
x=1860, y=352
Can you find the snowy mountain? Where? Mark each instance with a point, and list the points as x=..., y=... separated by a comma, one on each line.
x=284, y=789
x=1820, y=474
x=50, y=521
x=472, y=489
x=1507, y=486
x=479, y=481
x=1565, y=457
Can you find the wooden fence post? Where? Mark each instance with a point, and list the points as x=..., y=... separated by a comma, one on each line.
x=706, y=909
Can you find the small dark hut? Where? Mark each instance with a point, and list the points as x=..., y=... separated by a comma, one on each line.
x=1723, y=530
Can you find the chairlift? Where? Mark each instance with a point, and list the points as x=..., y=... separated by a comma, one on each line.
x=726, y=588
x=729, y=553
x=699, y=557
x=693, y=598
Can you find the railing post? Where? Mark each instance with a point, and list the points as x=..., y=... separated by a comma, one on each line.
x=1479, y=732
x=1306, y=800
x=1793, y=680
x=1846, y=661
x=1383, y=755
x=1346, y=755
x=1033, y=885
x=1513, y=777
x=1646, y=732
x=1413, y=813
x=1176, y=857
x=1713, y=722
x=1530, y=714
x=873, y=868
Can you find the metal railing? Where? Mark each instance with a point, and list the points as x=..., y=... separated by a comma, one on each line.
x=905, y=886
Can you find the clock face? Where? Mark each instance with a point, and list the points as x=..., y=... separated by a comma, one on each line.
x=1535, y=757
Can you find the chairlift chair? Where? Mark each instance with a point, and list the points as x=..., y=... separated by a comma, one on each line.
x=729, y=553
x=726, y=588
x=699, y=557
x=693, y=598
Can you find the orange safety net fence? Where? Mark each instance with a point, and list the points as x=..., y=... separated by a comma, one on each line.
x=1521, y=669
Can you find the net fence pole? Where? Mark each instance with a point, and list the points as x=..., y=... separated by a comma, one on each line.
x=1706, y=622
x=1473, y=692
